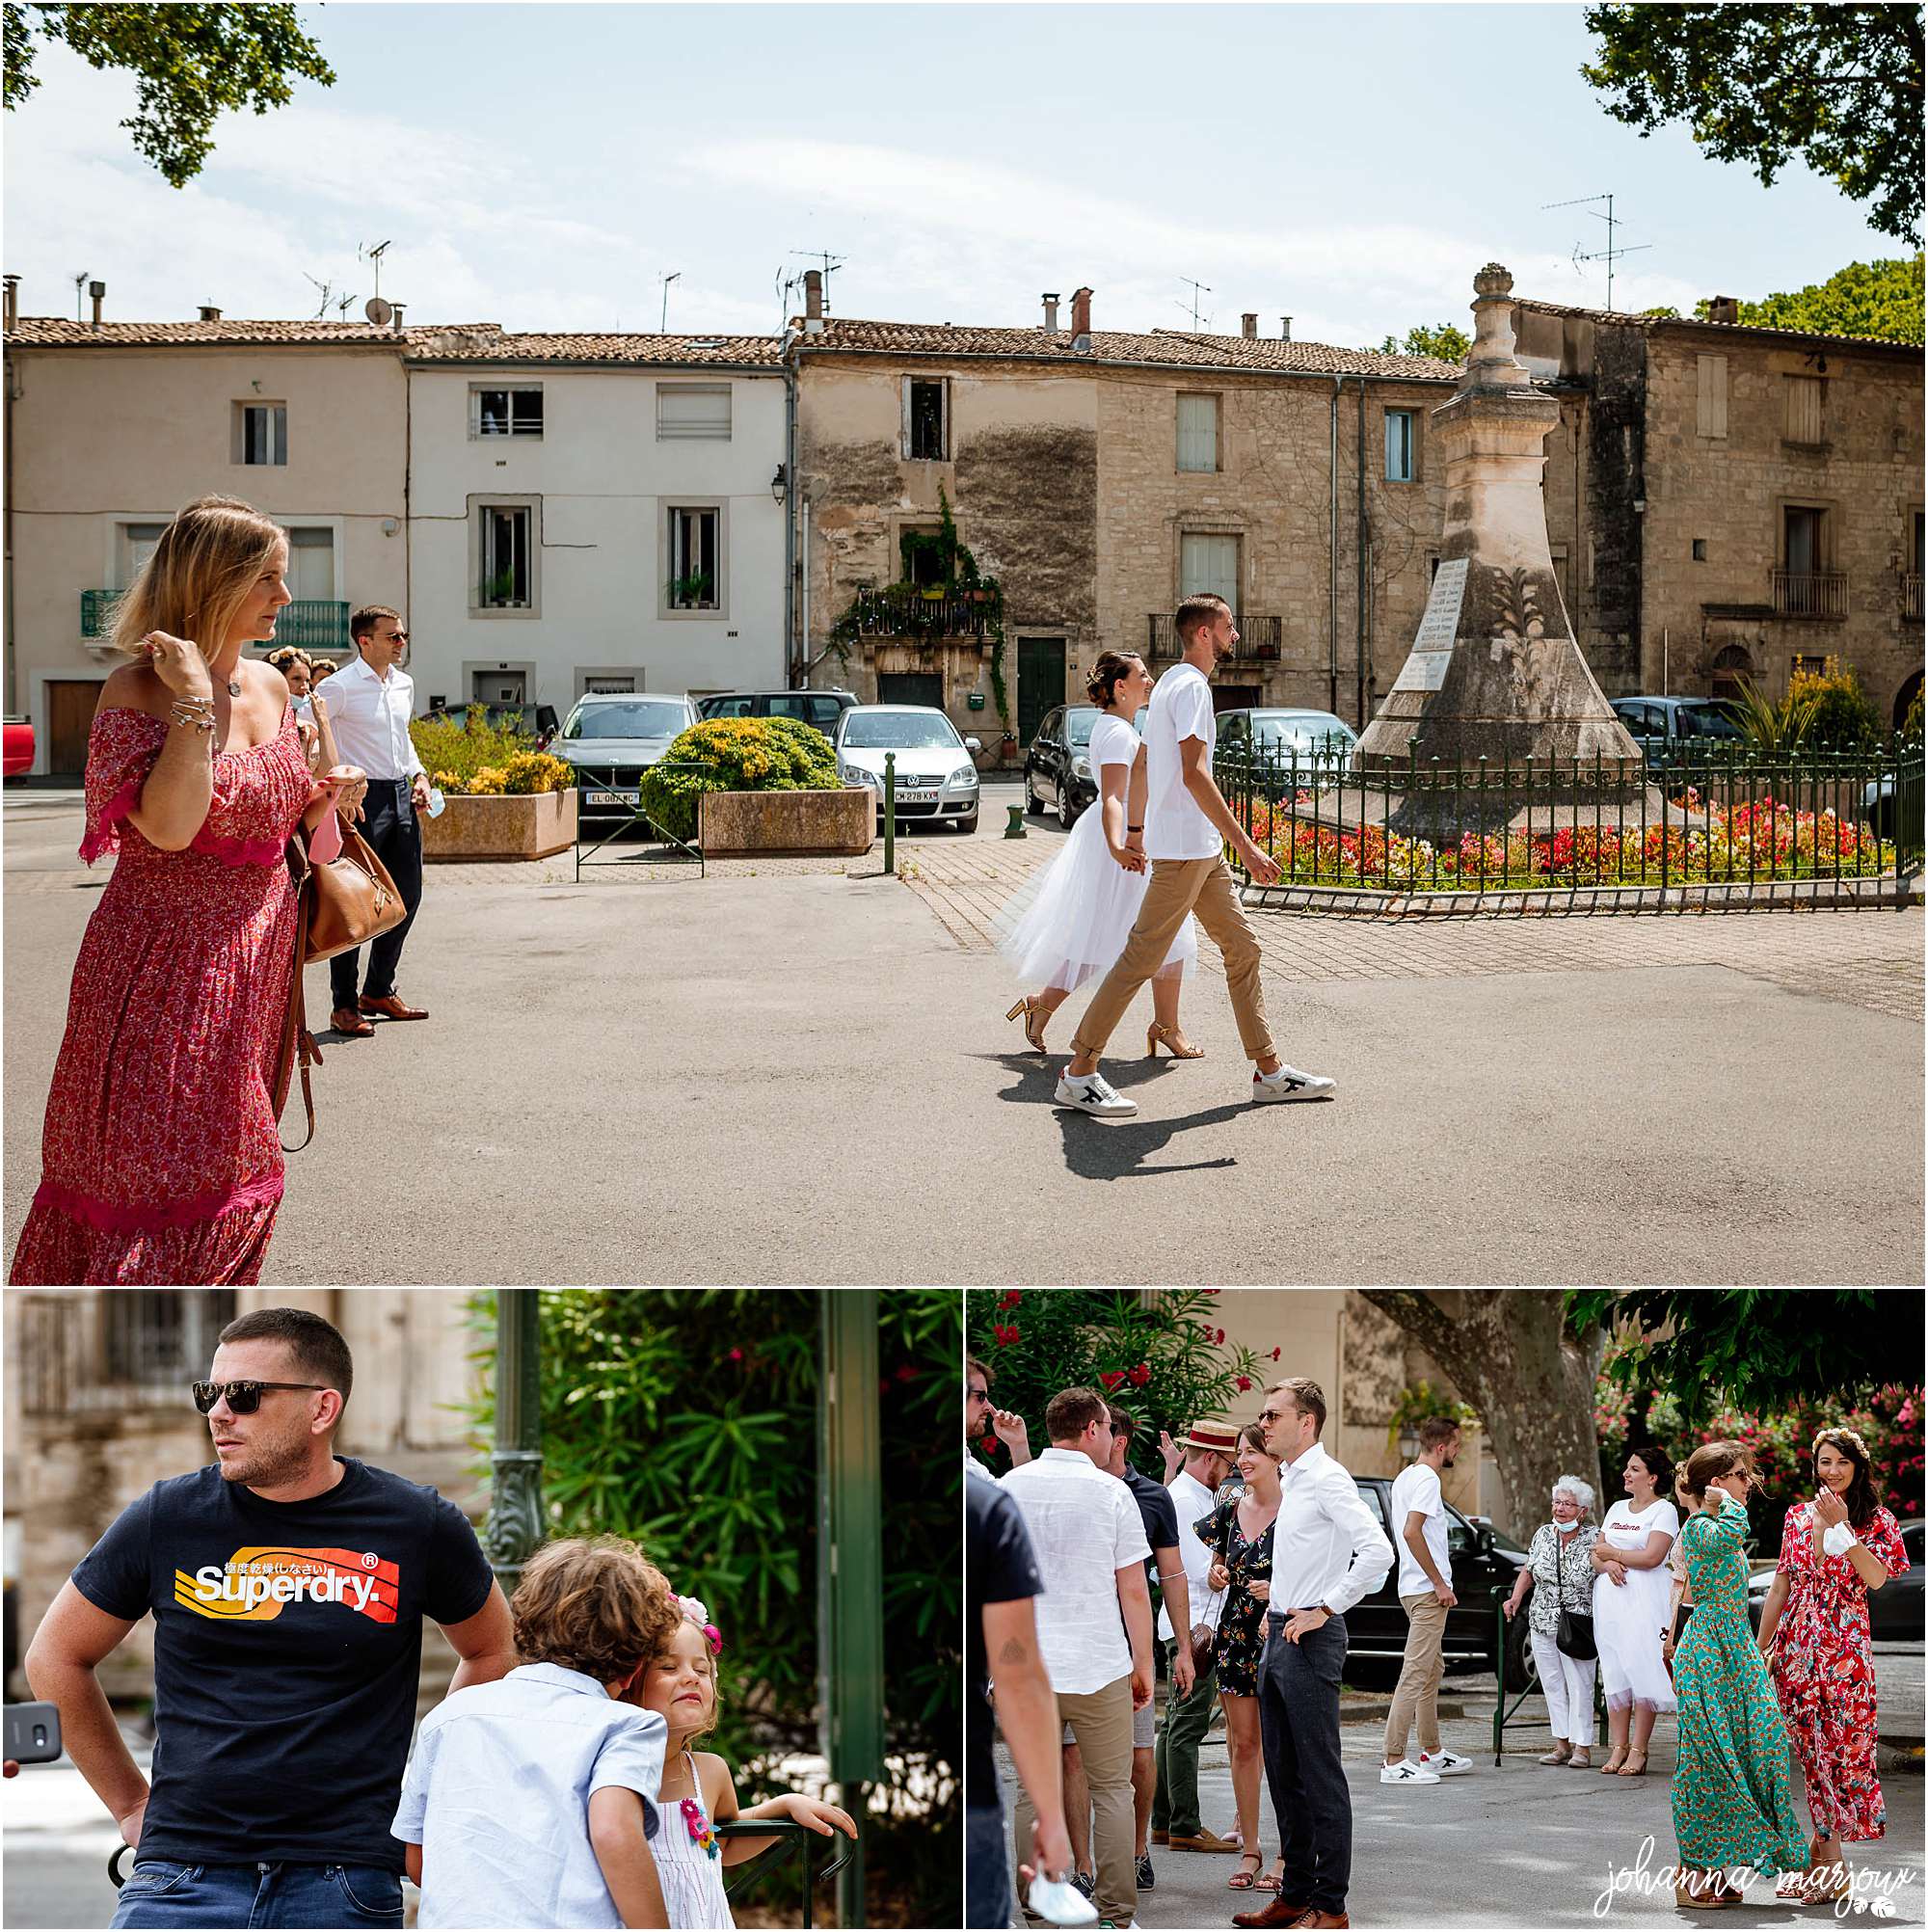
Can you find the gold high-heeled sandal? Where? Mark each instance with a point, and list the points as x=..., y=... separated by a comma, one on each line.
x=1029, y=1006
x=1173, y=1041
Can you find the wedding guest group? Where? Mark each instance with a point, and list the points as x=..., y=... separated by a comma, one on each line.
x=161, y=1158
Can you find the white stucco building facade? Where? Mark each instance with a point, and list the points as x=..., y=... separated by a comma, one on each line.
x=594, y=513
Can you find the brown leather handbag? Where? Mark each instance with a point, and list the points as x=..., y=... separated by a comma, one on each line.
x=339, y=904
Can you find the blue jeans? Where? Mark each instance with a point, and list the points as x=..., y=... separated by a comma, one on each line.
x=987, y=1870
x=221, y=1898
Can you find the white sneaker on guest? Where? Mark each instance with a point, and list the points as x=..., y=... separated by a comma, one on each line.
x=1406, y=1772
x=1290, y=1083
x=1092, y=1093
x=1448, y=1764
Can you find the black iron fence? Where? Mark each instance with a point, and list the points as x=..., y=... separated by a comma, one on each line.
x=1729, y=816
x=906, y=611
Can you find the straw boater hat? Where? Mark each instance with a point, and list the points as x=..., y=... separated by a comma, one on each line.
x=1218, y=1441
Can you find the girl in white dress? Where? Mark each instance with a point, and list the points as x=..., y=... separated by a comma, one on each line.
x=697, y=1791
x=1630, y=1608
x=1074, y=923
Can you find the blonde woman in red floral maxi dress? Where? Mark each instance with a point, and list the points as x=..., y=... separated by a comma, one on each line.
x=161, y=1158
x=1814, y=1634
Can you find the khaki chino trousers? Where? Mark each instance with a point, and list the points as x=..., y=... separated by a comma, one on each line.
x=1101, y=1721
x=1180, y=886
x=1416, y=1699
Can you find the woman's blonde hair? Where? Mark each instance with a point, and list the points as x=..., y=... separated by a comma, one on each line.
x=204, y=569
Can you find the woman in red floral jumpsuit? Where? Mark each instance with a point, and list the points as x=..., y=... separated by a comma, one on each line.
x=1832, y=1552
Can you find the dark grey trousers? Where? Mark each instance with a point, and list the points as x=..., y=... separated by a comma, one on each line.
x=987, y=1871
x=1298, y=1725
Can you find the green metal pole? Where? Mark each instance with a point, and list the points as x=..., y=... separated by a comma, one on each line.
x=891, y=813
x=516, y=1518
x=849, y=1568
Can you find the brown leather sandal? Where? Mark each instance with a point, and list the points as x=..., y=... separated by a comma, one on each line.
x=1243, y=1880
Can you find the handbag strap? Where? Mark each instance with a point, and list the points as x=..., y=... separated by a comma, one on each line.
x=297, y=1043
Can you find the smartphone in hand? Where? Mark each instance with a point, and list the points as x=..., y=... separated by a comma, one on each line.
x=33, y=1732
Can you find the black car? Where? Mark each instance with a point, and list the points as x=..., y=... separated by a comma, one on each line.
x=1485, y=1563
x=821, y=709
x=1894, y=1610
x=1058, y=772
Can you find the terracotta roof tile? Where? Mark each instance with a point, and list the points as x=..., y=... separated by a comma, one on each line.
x=57, y=332
x=1626, y=320
x=454, y=344
x=1169, y=348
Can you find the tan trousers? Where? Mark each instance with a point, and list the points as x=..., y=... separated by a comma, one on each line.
x=1417, y=1694
x=1101, y=1722
x=1181, y=886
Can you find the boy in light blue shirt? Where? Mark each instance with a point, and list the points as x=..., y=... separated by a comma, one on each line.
x=531, y=1801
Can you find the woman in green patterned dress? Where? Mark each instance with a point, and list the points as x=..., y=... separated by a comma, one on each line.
x=1732, y=1807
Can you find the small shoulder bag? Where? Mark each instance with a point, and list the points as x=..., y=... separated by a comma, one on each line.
x=1574, y=1637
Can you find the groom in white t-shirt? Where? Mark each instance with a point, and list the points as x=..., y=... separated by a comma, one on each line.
x=1178, y=818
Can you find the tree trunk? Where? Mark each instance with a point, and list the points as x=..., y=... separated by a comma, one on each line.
x=1512, y=1356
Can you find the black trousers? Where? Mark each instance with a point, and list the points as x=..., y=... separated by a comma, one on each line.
x=388, y=824
x=1299, y=1726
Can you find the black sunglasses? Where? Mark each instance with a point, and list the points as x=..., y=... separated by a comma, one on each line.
x=244, y=1398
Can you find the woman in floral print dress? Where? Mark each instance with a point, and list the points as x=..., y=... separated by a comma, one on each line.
x=161, y=1161
x=1732, y=1807
x=1832, y=1552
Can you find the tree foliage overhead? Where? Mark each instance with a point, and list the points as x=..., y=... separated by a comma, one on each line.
x=1758, y=1348
x=1839, y=87
x=190, y=64
x=1445, y=341
x=1866, y=298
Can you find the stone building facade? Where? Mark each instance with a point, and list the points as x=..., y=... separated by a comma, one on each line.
x=97, y=1410
x=1730, y=502
x=1101, y=477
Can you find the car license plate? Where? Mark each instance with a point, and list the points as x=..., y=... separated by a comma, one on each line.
x=906, y=797
x=613, y=798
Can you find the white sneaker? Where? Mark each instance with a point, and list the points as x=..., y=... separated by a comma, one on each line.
x=1290, y=1083
x=1447, y=1763
x=1406, y=1772
x=1092, y=1093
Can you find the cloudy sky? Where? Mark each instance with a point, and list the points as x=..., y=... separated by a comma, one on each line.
x=544, y=166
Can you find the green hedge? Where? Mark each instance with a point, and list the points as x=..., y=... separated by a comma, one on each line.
x=735, y=755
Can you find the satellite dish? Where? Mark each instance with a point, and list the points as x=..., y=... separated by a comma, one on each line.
x=378, y=313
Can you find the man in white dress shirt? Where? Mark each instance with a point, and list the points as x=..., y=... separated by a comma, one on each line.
x=1175, y=1818
x=1328, y=1553
x=1090, y=1547
x=370, y=703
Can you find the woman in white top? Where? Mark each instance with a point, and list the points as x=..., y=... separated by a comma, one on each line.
x=1630, y=1608
x=1085, y=906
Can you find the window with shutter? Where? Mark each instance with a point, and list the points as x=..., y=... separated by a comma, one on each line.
x=1399, y=446
x=1197, y=433
x=1711, y=399
x=312, y=563
x=1208, y=563
x=1804, y=410
x=693, y=412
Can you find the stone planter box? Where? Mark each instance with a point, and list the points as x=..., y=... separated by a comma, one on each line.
x=791, y=824
x=531, y=826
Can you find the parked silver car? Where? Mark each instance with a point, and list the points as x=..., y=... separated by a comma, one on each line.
x=612, y=739
x=935, y=776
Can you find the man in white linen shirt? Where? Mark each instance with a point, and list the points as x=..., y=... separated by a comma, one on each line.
x=1175, y=1818
x=1178, y=819
x=1328, y=1553
x=1090, y=1545
x=370, y=704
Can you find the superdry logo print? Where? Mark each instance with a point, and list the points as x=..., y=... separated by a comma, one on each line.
x=255, y=1583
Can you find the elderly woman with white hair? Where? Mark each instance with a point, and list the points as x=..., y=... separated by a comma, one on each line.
x=1559, y=1573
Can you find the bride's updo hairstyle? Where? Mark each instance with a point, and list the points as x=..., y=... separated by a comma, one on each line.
x=1110, y=669
x=204, y=569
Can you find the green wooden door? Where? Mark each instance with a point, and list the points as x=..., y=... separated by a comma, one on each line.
x=1040, y=682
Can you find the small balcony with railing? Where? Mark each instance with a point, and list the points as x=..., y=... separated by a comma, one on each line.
x=909, y=610
x=312, y=624
x=1810, y=593
x=1910, y=596
x=1260, y=640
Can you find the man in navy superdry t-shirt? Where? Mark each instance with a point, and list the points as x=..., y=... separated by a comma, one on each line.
x=288, y=1587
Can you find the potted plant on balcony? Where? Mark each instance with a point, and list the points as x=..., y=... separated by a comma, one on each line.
x=691, y=592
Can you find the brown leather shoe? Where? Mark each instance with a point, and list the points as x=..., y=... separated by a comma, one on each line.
x=1315, y=1920
x=391, y=1008
x=345, y=1021
x=1281, y=1911
x=1206, y=1841
x=1160, y=1837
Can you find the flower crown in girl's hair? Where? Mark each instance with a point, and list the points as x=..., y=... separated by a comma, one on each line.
x=692, y=1608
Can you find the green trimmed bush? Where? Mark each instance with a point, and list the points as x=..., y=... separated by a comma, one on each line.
x=737, y=754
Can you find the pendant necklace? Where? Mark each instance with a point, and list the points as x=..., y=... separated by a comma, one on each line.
x=235, y=687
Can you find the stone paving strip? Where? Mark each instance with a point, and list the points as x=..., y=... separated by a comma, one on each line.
x=1866, y=959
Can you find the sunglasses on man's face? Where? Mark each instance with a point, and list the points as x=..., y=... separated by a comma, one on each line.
x=244, y=1398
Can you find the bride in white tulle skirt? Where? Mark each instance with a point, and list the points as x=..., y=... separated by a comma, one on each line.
x=1073, y=922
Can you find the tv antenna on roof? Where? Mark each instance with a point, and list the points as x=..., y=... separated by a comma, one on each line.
x=1608, y=254
x=831, y=262
x=341, y=306
x=1197, y=288
x=79, y=287
x=374, y=255
x=664, y=280
x=326, y=295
